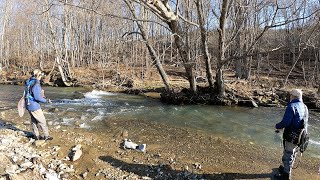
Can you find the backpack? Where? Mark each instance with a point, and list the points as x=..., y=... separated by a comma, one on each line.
x=27, y=92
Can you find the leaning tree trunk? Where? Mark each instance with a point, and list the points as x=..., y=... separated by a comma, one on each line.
x=62, y=72
x=188, y=65
x=151, y=50
x=163, y=10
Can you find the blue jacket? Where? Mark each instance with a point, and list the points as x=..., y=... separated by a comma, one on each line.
x=295, y=112
x=35, y=92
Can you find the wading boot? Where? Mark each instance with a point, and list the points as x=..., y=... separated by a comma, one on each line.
x=47, y=138
x=282, y=176
x=281, y=169
x=35, y=137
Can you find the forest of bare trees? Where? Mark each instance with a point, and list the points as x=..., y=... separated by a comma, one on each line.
x=206, y=38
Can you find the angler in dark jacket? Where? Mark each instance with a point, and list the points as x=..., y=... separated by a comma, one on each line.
x=295, y=118
x=33, y=97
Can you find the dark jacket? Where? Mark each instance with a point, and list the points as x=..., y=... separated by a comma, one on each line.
x=35, y=92
x=295, y=117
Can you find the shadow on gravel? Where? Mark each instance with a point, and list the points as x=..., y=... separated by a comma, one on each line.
x=169, y=173
x=10, y=125
x=5, y=108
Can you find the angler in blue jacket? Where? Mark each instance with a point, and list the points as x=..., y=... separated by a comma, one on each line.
x=295, y=118
x=33, y=97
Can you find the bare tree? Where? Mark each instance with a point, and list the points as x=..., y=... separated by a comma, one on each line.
x=152, y=52
x=5, y=18
x=204, y=42
x=61, y=63
x=221, y=48
x=163, y=10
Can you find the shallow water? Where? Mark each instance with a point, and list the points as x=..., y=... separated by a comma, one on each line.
x=248, y=125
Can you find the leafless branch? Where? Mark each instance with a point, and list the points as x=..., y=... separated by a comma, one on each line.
x=113, y=15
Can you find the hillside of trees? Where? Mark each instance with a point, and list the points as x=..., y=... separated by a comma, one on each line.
x=166, y=44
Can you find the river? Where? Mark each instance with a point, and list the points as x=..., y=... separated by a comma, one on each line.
x=248, y=125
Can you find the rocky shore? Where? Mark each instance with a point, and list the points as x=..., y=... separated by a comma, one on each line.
x=171, y=153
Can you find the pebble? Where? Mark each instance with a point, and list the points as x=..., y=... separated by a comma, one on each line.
x=40, y=143
x=23, y=156
x=26, y=165
x=56, y=148
x=84, y=175
x=125, y=134
x=197, y=165
x=12, y=169
x=27, y=123
x=186, y=168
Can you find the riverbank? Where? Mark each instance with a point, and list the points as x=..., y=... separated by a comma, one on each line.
x=171, y=153
x=258, y=91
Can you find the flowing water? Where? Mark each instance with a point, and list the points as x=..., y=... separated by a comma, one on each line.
x=248, y=125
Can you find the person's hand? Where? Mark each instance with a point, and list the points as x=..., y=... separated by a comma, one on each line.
x=49, y=101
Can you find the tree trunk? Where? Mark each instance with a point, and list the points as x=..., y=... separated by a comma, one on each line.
x=5, y=20
x=239, y=67
x=188, y=65
x=58, y=53
x=152, y=52
x=163, y=10
x=204, y=43
x=62, y=72
x=221, y=48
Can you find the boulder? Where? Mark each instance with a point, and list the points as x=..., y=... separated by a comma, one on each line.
x=75, y=153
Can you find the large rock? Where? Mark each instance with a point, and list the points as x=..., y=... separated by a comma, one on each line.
x=76, y=153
